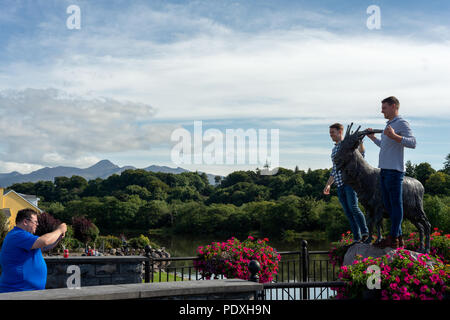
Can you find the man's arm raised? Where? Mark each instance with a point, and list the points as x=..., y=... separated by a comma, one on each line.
x=373, y=138
x=51, y=237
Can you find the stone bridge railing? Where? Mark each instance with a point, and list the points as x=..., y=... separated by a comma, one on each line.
x=95, y=271
x=235, y=289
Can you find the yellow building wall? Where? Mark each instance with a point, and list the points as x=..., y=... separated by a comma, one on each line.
x=15, y=203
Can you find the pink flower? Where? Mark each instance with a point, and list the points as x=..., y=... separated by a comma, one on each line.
x=422, y=297
x=407, y=296
x=434, y=278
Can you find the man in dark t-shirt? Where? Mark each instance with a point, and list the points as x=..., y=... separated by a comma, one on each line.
x=23, y=266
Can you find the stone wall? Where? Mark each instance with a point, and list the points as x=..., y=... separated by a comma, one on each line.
x=95, y=271
x=234, y=289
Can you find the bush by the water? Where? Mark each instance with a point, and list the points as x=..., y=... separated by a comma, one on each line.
x=231, y=259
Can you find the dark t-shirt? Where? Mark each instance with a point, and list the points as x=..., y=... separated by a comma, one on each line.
x=22, y=268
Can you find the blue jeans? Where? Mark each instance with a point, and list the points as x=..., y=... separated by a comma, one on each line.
x=391, y=192
x=349, y=201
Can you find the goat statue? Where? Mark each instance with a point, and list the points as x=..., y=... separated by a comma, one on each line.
x=365, y=180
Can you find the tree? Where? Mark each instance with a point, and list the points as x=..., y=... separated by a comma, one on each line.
x=410, y=169
x=438, y=183
x=235, y=177
x=447, y=164
x=24, y=187
x=424, y=171
x=84, y=230
x=4, y=226
x=142, y=192
x=62, y=182
x=77, y=182
x=438, y=212
x=153, y=215
x=46, y=223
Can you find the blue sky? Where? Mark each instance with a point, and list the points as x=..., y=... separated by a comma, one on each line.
x=137, y=70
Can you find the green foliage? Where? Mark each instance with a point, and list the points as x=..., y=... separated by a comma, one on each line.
x=109, y=242
x=153, y=215
x=69, y=241
x=333, y=219
x=446, y=168
x=4, y=226
x=139, y=242
x=438, y=183
x=423, y=171
x=410, y=169
x=438, y=211
x=290, y=236
x=240, y=203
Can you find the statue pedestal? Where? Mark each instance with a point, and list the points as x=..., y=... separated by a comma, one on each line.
x=368, y=250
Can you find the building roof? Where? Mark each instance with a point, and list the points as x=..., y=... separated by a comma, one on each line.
x=28, y=198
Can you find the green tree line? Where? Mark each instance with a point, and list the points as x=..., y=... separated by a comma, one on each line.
x=240, y=203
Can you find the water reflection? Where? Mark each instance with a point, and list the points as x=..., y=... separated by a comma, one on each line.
x=186, y=245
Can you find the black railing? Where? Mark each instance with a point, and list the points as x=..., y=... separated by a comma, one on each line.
x=301, y=275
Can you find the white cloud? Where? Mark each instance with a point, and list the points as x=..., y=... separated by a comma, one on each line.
x=51, y=127
x=296, y=73
x=205, y=70
x=6, y=167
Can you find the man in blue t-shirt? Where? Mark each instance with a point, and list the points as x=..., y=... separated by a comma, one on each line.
x=23, y=267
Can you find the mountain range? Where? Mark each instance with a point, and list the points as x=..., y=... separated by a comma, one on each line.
x=102, y=169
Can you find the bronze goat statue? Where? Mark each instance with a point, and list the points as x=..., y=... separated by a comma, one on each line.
x=365, y=180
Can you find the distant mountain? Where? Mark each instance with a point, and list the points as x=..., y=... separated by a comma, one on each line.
x=102, y=169
x=164, y=169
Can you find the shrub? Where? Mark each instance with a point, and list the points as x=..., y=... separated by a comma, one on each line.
x=47, y=223
x=402, y=277
x=84, y=230
x=439, y=244
x=4, y=226
x=338, y=249
x=139, y=242
x=109, y=241
x=231, y=259
x=69, y=242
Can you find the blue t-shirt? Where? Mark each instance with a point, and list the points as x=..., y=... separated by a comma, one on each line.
x=22, y=268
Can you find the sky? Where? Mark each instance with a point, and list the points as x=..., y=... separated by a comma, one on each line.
x=117, y=79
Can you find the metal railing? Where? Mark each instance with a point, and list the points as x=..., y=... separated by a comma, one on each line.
x=301, y=274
